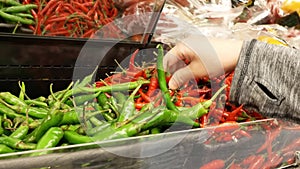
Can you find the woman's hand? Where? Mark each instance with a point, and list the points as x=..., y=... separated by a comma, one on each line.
x=198, y=56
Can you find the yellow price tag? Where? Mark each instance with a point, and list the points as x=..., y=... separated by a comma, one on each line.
x=271, y=40
x=290, y=6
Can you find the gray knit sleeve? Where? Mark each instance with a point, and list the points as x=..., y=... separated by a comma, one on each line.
x=267, y=79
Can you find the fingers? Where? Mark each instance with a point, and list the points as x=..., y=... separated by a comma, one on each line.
x=170, y=59
x=180, y=77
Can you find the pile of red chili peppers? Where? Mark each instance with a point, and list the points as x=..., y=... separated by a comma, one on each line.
x=72, y=18
x=266, y=156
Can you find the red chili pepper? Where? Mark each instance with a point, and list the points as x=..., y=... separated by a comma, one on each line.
x=139, y=105
x=99, y=84
x=88, y=4
x=258, y=162
x=274, y=160
x=146, y=98
x=131, y=62
x=59, y=7
x=140, y=74
x=69, y=8
x=47, y=27
x=114, y=12
x=178, y=101
x=93, y=9
x=270, y=136
x=296, y=128
x=204, y=120
x=139, y=100
x=153, y=85
x=216, y=114
x=88, y=33
x=82, y=7
x=38, y=25
x=198, y=92
x=290, y=147
x=227, y=126
x=62, y=33
x=235, y=166
x=158, y=102
x=234, y=114
x=52, y=8
x=244, y=133
x=49, y=4
x=58, y=19
x=249, y=160
x=215, y=164
x=96, y=17
x=291, y=160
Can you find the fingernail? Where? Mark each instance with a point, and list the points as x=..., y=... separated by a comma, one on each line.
x=172, y=84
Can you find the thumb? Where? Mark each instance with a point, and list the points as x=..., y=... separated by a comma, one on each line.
x=180, y=77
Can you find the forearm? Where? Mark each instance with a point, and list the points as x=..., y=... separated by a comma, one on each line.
x=267, y=79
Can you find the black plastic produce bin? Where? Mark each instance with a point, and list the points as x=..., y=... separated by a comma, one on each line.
x=40, y=61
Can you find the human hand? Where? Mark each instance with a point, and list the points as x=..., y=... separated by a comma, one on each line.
x=199, y=56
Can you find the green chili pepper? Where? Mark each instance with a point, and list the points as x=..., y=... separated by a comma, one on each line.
x=50, y=139
x=31, y=111
x=70, y=127
x=24, y=15
x=5, y=149
x=116, y=133
x=153, y=118
x=36, y=103
x=7, y=123
x=70, y=117
x=1, y=128
x=20, y=132
x=34, y=124
x=155, y=130
x=86, y=79
x=162, y=80
x=69, y=102
x=56, y=99
x=11, y=113
x=74, y=138
x=143, y=133
x=86, y=97
x=10, y=2
x=22, y=91
x=188, y=116
x=112, y=102
x=121, y=98
x=95, y=121
x=20, y=8
x=103, y=100
x=41, y=99
x=141, y=123
x=128, y=108
x=12, y=99
x=107, y=116
x=17, y=121
x=114, y=88
x=147, y=107
x=16, y=143
x=80, y=130
x=98, y=129
x=51, y=120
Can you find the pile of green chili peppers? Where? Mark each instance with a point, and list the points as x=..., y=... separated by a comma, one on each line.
x=83, y=113
x=12, y=11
